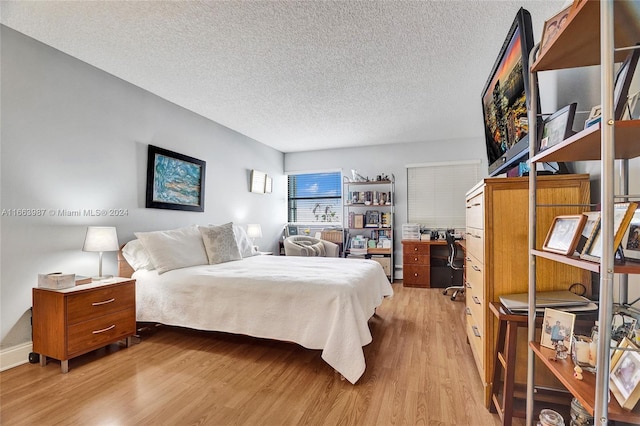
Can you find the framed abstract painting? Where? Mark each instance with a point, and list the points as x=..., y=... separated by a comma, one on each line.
x=174, y=181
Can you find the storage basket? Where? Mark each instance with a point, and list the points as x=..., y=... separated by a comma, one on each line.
x=410, y=231
x=332, y=236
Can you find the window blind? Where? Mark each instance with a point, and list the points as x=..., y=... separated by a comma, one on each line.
x=315, y=197
x=436, y=193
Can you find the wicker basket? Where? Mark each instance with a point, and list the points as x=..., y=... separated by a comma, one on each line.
x=333, y=236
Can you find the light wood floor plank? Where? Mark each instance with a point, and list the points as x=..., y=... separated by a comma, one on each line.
x=420, y=371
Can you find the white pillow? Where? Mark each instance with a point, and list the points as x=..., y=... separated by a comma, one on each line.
x=137, y=256
x=245, y=245
x=177, y=248
x=220, y=243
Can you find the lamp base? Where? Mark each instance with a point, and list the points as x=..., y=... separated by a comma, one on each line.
x=105, y=277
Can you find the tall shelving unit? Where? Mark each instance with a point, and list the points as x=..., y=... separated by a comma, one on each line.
x=588, y=38
x=369, y=212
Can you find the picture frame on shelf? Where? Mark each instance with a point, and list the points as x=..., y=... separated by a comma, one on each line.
x=557, y=327
x=631, y=239
x=558, y=127
x=174, y=181
x=623, y=82
x=564, y=234
x=553, y=26
x=622, y=216
x=590, y=225
x=624, y=377
x=632, y=107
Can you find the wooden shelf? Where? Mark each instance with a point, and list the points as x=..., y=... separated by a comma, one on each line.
x=626, y=268
x=578, y=44
x=583, y=390
x=371, y=182
x=585, y=145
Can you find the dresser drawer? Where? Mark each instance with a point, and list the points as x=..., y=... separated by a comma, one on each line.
x=416, y=276
x=99, y=302
x=475, y=306
x=475, y=243
x=476, y=342
x=98, y=332
x=474, y=275
x=475, y=211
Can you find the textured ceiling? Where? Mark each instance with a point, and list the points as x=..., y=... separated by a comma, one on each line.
x=296, y=75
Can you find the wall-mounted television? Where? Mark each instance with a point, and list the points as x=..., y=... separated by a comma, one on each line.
x=505, y=98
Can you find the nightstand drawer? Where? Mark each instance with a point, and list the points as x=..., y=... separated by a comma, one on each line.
x=99, y=302
x=93, y=334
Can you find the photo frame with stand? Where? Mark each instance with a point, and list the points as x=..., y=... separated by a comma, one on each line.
x=623, y=82
x=622, y=216
x=624, y=377
x=558, y=127
x=590, y=226
x=557, y=326
x=564, y=234
x=553, y=26
x=631, y=239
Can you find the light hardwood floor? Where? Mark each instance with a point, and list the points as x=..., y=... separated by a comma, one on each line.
x=419, y=371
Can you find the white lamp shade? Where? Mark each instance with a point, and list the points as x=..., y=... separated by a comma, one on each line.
x=254, y=230
x=101, y=238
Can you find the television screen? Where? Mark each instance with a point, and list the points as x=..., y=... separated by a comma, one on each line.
x=505, y=99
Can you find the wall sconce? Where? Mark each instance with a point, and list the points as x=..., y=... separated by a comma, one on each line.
x=100, y=239
x=254, y=230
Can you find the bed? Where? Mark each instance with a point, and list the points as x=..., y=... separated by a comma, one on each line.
x=317, y=302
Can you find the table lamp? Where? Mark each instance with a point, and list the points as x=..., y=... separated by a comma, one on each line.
x=100, y=239
x=254, y=230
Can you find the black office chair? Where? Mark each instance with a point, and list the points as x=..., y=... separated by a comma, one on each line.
x=455, y=265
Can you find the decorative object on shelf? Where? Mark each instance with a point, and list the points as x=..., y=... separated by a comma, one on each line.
x=580, y=351
x=174, y=181
x=577, y=372
x=632, y=108
x=594, y=116
x=564, y=234
x=631, y=239
x=268, y=185
x=624, y=378
x=590, y=225
x=553, y=26
x=100, y=239
x=254, y=230
x=623, y=81
x=558, y=127
x=258, y=179
x=557, y=328
x=622, y=216
x=549, y=417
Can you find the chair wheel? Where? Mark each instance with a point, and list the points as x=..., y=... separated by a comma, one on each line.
x=444, y=292
x=453, y=297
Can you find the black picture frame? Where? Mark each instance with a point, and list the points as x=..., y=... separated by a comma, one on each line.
x=174, y=181
x=557, y=127
x=623, y=82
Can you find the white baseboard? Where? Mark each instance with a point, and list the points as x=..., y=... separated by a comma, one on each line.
x=15, y=356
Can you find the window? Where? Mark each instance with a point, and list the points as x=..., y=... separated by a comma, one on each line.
x=315, y=197
x=436, y=193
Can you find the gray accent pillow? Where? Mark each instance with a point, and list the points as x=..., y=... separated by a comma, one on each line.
x=220, y=243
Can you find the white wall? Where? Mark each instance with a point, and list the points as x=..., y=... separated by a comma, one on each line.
x=74, y=137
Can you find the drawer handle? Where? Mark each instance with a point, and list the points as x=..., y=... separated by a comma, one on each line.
x=476, y=300
x=415, y=249
x=415, y=275
x=111, y=327
x=469, y=285
x=476, y=236
x=104, y=302
x=469, y=259
x=467, y=311
x=415, y=259
x=475, y=268
x=475, y=331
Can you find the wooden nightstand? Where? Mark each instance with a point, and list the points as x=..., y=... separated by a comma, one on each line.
x=73, y=321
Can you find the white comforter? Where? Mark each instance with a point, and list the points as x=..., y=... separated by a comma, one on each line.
x=317, y=302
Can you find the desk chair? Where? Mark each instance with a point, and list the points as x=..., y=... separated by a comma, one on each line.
x=455, y=265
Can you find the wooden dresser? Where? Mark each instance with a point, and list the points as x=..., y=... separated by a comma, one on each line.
x=497, y=260
x=77, y=320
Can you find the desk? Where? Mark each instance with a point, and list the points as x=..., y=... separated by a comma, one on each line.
x=424, y=264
